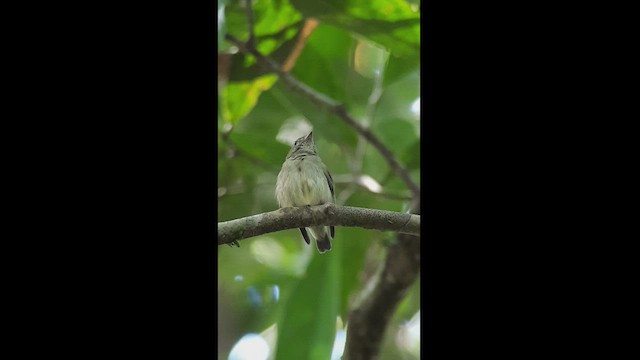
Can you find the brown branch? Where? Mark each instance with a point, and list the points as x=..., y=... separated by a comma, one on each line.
x=307, y=216
x=336, y=108
x=252, y=37
x=309, y=26
x=375, y=305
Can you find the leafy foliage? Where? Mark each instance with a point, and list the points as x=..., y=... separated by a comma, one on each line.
x=358, y=46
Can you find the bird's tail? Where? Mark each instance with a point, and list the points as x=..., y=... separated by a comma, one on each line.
x=323, y=240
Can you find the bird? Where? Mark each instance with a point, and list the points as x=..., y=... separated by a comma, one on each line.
x=305, y=181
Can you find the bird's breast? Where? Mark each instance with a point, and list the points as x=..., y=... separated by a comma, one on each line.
x=302, y=182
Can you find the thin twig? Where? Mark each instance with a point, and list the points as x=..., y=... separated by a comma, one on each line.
x=309, y=26
x=372, y=105
x=280, y=34
x=333, y=106
x=357, y=182
x=252, y=37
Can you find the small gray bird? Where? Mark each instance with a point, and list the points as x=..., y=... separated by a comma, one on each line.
x=305, y=180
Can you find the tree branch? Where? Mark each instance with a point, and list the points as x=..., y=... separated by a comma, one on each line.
x=307, y=29
x=375, y=305
x=249, y=9
x=333, y=106
x=328, y=214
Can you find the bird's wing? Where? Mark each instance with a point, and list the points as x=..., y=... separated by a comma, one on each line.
x=330, y=182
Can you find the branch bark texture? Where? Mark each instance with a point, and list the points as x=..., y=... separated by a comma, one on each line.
x=307, y=216
x=377, y=302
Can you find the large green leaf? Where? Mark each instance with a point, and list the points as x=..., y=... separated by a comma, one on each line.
x=394, y=24
x=324, y=62
x=267, y=117
x=325, y=124
x=351, y=244
x=325, y=66
x=239, y=98
x=308, y=327
x=399, y=67
x=271, y=20
x=396, y=133
x=398, y=98
x=260, y=147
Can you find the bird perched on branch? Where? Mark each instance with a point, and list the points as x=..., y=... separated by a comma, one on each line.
x=305, y=180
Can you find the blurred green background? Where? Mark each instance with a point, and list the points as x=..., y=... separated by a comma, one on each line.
x=277, y=296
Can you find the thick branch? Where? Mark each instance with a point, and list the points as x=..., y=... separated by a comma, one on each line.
x=328, y=214
x=375, y=305
x=333, y=106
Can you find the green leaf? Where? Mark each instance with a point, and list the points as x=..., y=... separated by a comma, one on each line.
x=394, y=24
x=411, y=157
x=399, y=67
x=352, y=245
x=271, y=20
x=396, y=134
x=398, y=98
x=375, y=165
x=239, y=98
x=324, y=62
x=272, y=16
x=266, y=118
x=244, y=67
x=325, y=124
x=308, y=327
x=221, y=23
x=260, y=147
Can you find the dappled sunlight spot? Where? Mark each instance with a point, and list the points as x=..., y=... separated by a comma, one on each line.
x=250, y=347
x=415, y=108
x=271, y=294
x=272, y=253
x=267, y=251
x=238, y=278
x=254, y=296
x=270, y=335
x=292, y=129
x=370, y=183
x=408, y=336
x=338, y=345
x=369, y=59
x=340, y=340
